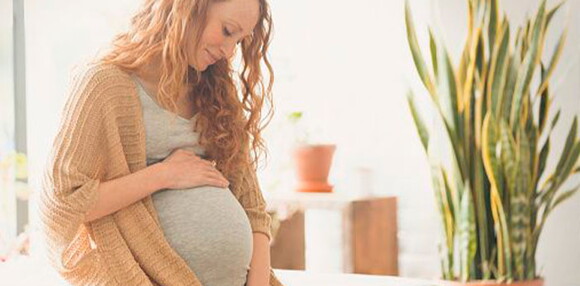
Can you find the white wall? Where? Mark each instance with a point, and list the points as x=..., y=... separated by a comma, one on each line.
x=347, y=65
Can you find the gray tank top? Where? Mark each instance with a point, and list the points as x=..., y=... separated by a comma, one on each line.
x=205, y=225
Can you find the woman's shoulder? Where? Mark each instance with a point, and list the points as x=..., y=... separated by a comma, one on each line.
x=101, y=82
x=101, y=73
x=98, y=87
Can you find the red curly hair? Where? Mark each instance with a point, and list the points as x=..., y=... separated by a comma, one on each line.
x=229, y=118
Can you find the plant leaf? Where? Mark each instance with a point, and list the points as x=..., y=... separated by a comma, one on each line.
x=565, y=195
x=497, y=78
x=553, y=62
x=531, y=60
x=570, y=141
x=416, y=52
x=544, y=103
x=421, y=129
x=467, y=233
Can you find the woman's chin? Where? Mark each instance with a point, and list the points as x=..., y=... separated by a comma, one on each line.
x=201, y=67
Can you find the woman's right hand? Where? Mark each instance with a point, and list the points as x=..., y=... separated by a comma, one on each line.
x=185, y=169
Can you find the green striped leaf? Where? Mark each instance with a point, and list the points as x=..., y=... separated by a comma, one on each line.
x=512, y=75
x=528, y=66
x=551, y=13
x=570, y=163
x=553, y=62
x=433, y=49
x=565, y=195
x=544, y=151
x=416, y=52
x=447, y=87
x=493, y=25
x=555, y=120
x=491, y=153
x=497, y=78
x=568, y=146
x=421, y=129
x=520, y=206
x=544, y=102
x=508, y=157
x=467, y=233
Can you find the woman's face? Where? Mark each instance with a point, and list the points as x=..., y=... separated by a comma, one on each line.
x=228, y=22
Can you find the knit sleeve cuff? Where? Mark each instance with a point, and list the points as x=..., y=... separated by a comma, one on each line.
x=260, y=221
x=274, y=281
x=61, y=218
x=84, y=199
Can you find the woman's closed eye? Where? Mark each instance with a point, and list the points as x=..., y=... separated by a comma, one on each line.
x=227, y=33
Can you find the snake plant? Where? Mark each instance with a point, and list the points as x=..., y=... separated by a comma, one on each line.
x=495, y=194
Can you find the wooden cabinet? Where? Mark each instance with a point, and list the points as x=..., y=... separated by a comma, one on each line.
x=368, y=231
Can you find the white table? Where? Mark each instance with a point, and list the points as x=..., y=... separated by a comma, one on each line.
x=30, y=272
x=305, y=278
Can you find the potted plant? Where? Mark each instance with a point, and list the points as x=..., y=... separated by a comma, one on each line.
x=493, y=193
x=312, y=161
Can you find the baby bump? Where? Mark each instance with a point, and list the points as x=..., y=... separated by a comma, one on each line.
x=207, y=227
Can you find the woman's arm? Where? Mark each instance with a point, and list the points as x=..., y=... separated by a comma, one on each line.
x=259, y=274
x=250, y=197
x=116, y=194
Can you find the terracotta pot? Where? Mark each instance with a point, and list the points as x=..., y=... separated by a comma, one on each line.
x=312, y=164
x=537, y=282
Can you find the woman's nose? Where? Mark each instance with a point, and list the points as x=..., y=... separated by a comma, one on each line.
x=227, y=50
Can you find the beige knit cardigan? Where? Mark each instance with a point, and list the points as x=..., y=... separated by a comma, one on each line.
x=102, y=137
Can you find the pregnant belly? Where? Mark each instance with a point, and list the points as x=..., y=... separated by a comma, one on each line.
x=209, y=229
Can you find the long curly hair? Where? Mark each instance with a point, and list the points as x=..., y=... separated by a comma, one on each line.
x=229, y=105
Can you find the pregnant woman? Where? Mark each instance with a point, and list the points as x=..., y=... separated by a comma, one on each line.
x=151, y=179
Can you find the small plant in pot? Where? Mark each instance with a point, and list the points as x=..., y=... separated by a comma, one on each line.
x=493, y=194
x=312, y=161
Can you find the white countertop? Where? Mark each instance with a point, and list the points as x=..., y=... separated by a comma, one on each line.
x=305, y=278
x=30, y=272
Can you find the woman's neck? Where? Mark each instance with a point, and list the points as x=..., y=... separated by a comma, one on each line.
x=150, y=74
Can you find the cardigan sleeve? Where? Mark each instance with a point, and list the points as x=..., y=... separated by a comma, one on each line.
x=70, y=177
x=251, y=198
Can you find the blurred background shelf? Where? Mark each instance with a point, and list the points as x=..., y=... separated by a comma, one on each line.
x=364, y=228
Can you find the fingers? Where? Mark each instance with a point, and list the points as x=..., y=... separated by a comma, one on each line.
x=207, y=163
x=217, y=183
x=193, y=154
x=216, y=175
x=216, y=179
x=185, y=152
x=210, y=175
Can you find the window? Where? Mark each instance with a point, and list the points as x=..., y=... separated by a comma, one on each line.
x=7, y=142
